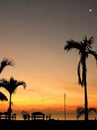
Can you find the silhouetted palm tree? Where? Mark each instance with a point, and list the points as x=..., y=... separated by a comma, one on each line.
x=5, y=62
x=84, y=47
x=81, y=110
x=11, y=86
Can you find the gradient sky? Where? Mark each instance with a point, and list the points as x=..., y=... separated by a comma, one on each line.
x=33, y=34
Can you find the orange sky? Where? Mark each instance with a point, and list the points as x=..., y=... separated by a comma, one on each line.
x=33, y=35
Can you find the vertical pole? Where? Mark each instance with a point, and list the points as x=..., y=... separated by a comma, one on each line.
x=65, y=106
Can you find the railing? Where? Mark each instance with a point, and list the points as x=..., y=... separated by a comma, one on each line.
x=5, y=115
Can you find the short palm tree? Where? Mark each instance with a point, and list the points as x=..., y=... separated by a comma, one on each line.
x=5, y=62
x=85, y=48
x=11, y=86
x=81, y=110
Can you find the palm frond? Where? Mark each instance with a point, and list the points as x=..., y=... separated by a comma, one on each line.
x=79, y=111
x=94, y=53
x=5, y=62
x=91, y=40
x=88, y=41
x=13, y=84
x=71, y=44
x=3, y=97
x=21, y=83
x=92, y=109
x=3, y=83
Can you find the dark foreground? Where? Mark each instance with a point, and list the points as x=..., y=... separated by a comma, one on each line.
x=49, y=124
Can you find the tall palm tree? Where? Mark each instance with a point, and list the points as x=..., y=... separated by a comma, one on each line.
x=85, y=48
x=11, y=86
x=5, y=62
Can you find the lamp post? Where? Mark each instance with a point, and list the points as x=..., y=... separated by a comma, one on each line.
x=65, y=106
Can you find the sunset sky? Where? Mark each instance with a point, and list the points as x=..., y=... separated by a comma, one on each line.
x=33, y=34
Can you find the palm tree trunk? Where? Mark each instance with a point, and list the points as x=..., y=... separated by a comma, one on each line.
x=86, y=103
x=9, y=109
x=85, y=89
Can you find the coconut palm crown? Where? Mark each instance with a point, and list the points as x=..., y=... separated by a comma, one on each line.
x=85, y=48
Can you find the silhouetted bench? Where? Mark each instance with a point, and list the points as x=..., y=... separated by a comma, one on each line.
x=5, y=115
x=38, y=116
